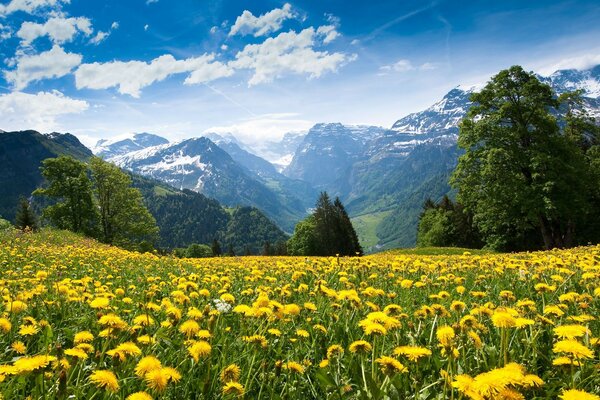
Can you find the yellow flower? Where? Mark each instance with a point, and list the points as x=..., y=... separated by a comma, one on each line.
x=139, y=396
x=16, y=306
x=231, y=373
x=302, y=333
x=83, y=337
x=123, y=350
x=335, y=351
x=574, y=394
x=5, y=325
x=373, y=328
x=147, y=364
x=199, y=349
x=189, y=328
x=445, y=335
x=413, y=353
x=28, y=330
x=573, y=348
x=105, y=379
x=502, y=319
x=561, y=361
x=571, y=331
x=256, y=339
x=158, y=379
x=390, y=366
x=360, y=346
x=31, y=364
x=77, y=353
x=19, y=347
x=233, y=388
x=294, y=367
x=274, y=332
x=100, y=302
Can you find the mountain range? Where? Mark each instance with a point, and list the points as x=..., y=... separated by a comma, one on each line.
x=383, y=175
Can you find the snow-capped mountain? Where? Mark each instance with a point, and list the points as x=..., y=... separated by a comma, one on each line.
x=201, y=165
x=111, y=148
x=280, y=152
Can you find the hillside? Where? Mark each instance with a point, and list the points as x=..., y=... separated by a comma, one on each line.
x=183, y=217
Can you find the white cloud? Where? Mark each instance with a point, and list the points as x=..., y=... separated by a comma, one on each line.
x=151, y=1
x=329, y=33
x=247, y=23
x=580, y=62
x=5, y=32
x=214, y=29
x=146, y=27
x=101, y=36
x=53, y=63
x=405, y=66
x=288, y=52
x=132, y=76
x=59, y=30
x=224, y=47
x=255, y=131
x=29, y=6
x=37, y=111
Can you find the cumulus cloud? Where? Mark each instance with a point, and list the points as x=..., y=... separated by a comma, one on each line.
x=101, y=36
x=132, y=76
x=328, y=32
x=37, y=111
x=247, y=23
x=151, y=1
x=288, y=52
x=29, y=6
x=53, y=63
x=5, y=32
x=405, y=66
x=58, y=29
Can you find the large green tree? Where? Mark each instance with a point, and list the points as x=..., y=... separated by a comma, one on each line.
x=70, y=189
x=124, y=219
x=520, y=172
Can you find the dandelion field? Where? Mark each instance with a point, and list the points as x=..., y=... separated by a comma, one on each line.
x=82, y=320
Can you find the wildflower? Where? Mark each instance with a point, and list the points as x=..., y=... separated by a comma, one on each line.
x=503, y=319
x=16, y=306
x=31, y=364
x=390, y=366
x=360, y=346
x=571, y=331
x=158, y=379
x=294, y=367
x=77, y=353
x=256, y=339
x=147, y=364
x=19, y=347
x=574, y=394
x=100, y=302
x=5, y=325
x=199, y=349
x=83, y=337
x=231, y=373
x=123, y=350
x=573, y=348
x=302, y=333
x=413, y=353
x=274, y=332
x=139, y=396
x=189, y=328
x=445, y=335
x=233, y=388
x=335, y=351
x=28, y=330
x=105, y=379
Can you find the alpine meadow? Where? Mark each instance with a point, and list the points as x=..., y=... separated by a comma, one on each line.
x=333, y=200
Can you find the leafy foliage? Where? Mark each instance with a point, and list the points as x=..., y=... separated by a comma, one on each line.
x=521, y=172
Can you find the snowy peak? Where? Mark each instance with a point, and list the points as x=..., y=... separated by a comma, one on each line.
x=112, y=148
x=587, y=80
x=443, y=115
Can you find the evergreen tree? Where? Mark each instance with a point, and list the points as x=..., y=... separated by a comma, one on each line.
x=124, y=219
x=25, y=218
x=230, y=250
x=348, y=239
x=247, y=251
x=216, y=248
x=325, y=226
x=70, y=188
x=266, y=249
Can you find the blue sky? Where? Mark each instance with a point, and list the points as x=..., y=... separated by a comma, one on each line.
x=258, y=69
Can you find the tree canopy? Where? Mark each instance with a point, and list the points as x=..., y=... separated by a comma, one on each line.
x=525, y=168
x=327, y=232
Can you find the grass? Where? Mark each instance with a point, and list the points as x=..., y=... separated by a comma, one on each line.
x=366, y=228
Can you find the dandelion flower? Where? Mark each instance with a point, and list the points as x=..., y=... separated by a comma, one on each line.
x=574, y=394
x=413, y=353
x=573, y=348
x=105, y=379
x=571, y=331
x=139, y=396
x=233, y=388
x=199, y=349
x=390, y=366
x=231, y=373
x=147, y=364
x=360, y=346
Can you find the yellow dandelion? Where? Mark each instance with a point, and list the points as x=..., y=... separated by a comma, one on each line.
x=573, y=348
x=390, y=366
x=147, y=364
x=413, y=353
x=360, y=346
x=233, y=388
x=231, y=373
x=199, y=349
x=105, y=379
x=571, y=331
x=83, y=337
x=294, y=367
x=19, y=347
x=574, y=394
x=139, y=396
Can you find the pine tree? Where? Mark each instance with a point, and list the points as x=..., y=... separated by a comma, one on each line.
x=25, y=218
x=348, y=238
x=216, y=248
x=230, y=250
